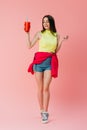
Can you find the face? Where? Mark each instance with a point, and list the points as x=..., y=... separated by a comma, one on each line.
x=46, y=23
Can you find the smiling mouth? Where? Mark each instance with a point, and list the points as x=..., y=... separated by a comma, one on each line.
x=46, y=26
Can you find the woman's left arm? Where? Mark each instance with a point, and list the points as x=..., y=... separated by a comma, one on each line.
x=60, y=41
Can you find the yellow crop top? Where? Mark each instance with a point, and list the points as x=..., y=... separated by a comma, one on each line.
x=47, y=42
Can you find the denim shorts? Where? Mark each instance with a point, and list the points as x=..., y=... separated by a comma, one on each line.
x=45, y=65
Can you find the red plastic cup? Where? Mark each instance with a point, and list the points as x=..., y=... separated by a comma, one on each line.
x=27, y=26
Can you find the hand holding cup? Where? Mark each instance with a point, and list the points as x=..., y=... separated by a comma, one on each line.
x=26, y=26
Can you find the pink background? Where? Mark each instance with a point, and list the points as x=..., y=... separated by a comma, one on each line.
x=19, y=108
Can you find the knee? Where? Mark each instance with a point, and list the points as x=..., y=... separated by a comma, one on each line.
x=46, y=89
x=40, y=90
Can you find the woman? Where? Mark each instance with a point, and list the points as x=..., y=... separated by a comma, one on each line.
x=45, y=62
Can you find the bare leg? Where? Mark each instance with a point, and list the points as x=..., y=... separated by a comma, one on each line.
x=39, y=80
x=46, y=93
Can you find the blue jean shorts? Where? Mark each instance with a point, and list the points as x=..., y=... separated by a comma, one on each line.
x=45, y=65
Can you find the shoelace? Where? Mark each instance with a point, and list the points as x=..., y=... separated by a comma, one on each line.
x=44, y=116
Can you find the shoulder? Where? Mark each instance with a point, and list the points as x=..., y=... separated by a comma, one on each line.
x=57, y=35
x=38, y=34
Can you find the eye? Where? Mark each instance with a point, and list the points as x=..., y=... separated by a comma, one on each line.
x=45, y=22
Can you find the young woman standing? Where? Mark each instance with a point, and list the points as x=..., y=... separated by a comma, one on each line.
x=45, y=62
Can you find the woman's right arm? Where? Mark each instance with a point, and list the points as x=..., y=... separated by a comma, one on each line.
x=30, y=43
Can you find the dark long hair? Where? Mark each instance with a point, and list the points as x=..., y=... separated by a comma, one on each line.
x=52, y=24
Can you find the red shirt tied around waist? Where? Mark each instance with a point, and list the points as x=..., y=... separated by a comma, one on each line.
x=39, y=57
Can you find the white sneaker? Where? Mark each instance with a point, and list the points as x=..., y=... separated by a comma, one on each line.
x=44, y=116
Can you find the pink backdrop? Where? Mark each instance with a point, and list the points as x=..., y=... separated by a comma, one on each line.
x=18, y=99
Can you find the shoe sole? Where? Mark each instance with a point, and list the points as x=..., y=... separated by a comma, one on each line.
x=44, y=122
